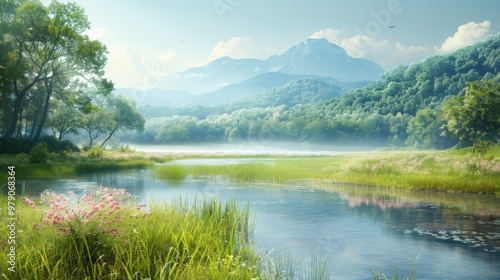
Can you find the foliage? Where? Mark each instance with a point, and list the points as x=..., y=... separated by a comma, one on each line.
x=95, y=152
x=109, y=114
x=475, y=117
x=47, y=58
x=425, y=130
x=39, y=153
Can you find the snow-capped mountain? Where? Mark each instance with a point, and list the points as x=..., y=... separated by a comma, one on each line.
x=311, y=57
x=322, y=58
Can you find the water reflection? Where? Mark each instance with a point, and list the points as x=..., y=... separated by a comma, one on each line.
x=357, y=227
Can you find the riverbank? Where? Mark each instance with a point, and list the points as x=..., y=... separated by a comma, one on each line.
x=456, y=171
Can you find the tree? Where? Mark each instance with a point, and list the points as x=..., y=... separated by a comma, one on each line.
x=475, y=117
x=105, y=115
x=46, y=54
x=124, y=115
x=64, y=119
x=425, y=130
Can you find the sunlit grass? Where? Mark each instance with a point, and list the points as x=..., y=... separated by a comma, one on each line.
x=171, y=173
x=207, y=240
x=433, y=170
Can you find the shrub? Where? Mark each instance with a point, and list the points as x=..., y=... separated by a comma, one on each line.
x=39, y=153
x=95, y=152
x=67, y=145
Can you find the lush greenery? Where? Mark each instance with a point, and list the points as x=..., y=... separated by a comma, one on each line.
x=404, y=107
x=475, y=117
x=446, y=170
x=47, y=164
x=51, y=76
x=103, y=235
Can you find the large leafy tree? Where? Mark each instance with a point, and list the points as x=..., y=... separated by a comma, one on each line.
x=475, y=117
x=45, y=56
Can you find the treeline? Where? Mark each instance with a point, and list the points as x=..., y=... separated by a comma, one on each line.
x=404, y=107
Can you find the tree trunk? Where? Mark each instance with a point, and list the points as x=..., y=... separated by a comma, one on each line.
x=110, y=135
x=17, y=106
x=45, y=112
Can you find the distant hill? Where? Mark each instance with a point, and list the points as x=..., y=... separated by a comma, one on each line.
x=302, y=91
x=259, y=85
x=316, y=57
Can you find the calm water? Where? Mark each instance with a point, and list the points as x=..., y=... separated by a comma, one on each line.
x=357, y=228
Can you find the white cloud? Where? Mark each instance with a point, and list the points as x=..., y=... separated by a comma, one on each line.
x=236, y=47
x=386, y=54
x=127, y=67
x=467, y=34
x=330, y=34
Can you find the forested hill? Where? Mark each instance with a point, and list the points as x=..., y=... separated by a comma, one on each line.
x=402, y=108
x=301, y=91
x=406, y=89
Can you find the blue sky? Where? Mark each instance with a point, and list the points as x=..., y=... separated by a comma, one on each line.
x=162, y=37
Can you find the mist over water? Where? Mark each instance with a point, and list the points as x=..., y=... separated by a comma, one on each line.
x=254, y=148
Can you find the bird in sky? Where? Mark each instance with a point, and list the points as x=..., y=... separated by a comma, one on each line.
x=392, y=26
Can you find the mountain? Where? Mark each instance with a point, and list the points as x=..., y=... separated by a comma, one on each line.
x=316, y=57
x=322, y=58
x=258, y=85
x=301, y=91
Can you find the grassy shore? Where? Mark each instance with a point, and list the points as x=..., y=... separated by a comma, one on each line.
x=105, y=237
x=67, y=165
x=455, y=171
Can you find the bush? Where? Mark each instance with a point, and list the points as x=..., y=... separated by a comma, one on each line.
x=39, y=153
x=95, y=152
x=67, y=145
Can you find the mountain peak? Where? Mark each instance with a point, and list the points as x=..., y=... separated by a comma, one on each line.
x=322, y=58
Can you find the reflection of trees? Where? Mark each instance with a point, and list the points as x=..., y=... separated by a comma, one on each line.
x=480, y=205
x=432, y=220
x=382, y=203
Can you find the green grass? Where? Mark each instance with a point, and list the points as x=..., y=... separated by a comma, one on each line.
x=430, y=170
x=63, y=165
x=176, y=241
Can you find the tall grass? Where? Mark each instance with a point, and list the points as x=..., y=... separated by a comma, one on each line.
x=104, y=237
